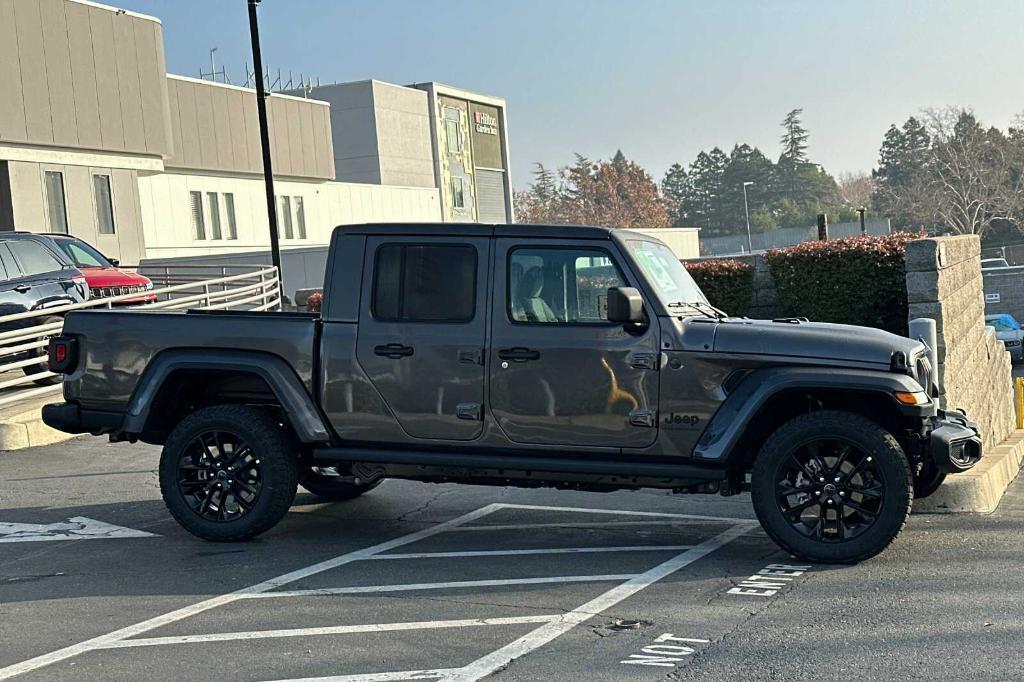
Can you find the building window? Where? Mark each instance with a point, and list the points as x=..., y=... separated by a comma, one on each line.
x=300, y=218
x=285, y=230
x=291, y=217
x=214, y=204
x=229, y=211
x=104, y=204
x=198, y=221
x=56, y=209
x=458, y=192
x=452, y=130
x=218, y=211
x=424, y=283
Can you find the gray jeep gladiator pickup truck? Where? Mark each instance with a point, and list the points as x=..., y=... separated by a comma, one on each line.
x=569, y=357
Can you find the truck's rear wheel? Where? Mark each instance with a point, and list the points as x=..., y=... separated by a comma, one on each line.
x=228, y=472
x=832, y=486
x=326, y=483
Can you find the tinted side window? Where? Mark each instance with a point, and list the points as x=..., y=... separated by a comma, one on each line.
x=561, y=286
x=13, y=271
x=35, y=258
x=421, y=283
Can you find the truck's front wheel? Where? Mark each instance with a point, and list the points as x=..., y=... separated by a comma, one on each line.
x=228, y=472
x=832, y=486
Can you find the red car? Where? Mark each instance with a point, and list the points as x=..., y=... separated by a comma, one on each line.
x=101, y=273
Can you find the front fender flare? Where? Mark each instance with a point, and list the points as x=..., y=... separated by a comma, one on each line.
x=723, y=432
x=295, y=400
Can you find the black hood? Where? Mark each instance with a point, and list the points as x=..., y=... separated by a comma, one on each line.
x=817, y=340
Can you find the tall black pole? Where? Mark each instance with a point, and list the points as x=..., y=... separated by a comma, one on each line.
x=261, y=107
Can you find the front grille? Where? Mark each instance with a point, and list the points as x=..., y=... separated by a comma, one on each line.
x=107, y=292
x=923, y=372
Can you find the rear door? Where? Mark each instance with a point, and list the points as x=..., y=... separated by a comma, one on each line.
x=422, y=324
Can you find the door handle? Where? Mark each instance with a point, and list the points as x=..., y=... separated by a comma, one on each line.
x=518, y=354
x=22, y=288
x=393, y=351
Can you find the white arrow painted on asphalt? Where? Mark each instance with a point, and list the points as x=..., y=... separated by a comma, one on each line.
x=77, y=528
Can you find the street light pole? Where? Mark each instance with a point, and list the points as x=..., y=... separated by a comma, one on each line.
x=746, y=210
x=261, y=108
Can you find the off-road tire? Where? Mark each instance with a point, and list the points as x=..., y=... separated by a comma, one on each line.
x=328, y=488
x=897, y=494
x=271, y=442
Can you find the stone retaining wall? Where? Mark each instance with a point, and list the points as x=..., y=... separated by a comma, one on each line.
x=944, y=282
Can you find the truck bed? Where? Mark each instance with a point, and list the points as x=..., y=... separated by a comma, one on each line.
x=117, y=346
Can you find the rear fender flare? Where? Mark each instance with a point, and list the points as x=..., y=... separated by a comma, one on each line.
x=295, y=400
x=718, y=441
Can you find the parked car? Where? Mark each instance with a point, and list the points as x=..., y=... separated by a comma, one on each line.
x=989, y=263
x=34, y=277
x=566, y=357
x=1008, y=330
x=102, y=274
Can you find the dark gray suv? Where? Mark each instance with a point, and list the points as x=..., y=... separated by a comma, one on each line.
x=529, y=355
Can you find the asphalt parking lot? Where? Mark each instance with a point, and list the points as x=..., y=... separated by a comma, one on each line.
x=444, y=582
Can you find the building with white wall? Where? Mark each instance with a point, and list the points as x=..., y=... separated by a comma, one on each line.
x=98, y=141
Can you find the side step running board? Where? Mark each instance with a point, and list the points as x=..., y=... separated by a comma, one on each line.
x=518, y=463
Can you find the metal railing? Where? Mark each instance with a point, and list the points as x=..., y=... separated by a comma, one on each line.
x=24, y=336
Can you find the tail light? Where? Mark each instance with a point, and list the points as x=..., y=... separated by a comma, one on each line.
x=62, y=355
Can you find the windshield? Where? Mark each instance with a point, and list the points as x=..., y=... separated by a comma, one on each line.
x=83, y=255
x=663, y=271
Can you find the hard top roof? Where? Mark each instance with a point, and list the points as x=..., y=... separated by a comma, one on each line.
x=515, y=230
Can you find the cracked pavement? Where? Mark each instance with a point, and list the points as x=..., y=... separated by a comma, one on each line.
x=949, y=584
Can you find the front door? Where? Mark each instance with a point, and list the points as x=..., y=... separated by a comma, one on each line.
x=421, y=331
x=561, y=374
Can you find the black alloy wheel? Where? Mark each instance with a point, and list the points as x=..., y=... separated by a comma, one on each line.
x=229, y=472
x=832, y=486
x=830, y=489
x=220, y=476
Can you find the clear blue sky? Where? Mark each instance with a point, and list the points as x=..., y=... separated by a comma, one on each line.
x=660, y=79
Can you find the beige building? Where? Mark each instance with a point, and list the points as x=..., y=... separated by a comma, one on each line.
x=97, y=140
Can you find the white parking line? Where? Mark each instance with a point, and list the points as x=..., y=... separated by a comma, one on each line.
x=570, y=524
x=330, y=630
x=434, y=674
x=500, y=582
x=265, y=586
x=497, y=660
x=622, y=512
x=517, y=552
x=552, y=626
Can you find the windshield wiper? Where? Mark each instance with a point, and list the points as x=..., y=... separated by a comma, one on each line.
x=701, y=307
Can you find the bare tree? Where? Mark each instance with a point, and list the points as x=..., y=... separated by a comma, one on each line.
x=973, y=175
x=855, y=189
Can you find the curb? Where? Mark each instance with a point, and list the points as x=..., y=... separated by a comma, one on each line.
x=980, y=489
x=25, y=428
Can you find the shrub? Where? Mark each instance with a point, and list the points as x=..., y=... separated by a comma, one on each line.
x=857, y=280
x=728, y=284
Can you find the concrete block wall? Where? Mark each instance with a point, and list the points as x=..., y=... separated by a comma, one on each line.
x=944, y=282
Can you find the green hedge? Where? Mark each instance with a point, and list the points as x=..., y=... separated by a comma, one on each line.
x=858, y=280
x=728, y=284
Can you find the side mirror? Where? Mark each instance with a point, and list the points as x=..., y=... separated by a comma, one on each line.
x=625, y=305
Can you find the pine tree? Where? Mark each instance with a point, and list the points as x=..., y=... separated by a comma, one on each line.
x=794, y=139
x=675, y=187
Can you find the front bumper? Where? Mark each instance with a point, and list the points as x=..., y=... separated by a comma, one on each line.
x=954, y=442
